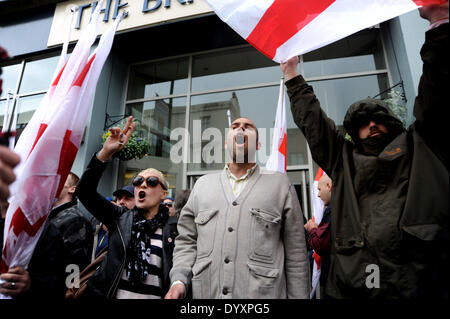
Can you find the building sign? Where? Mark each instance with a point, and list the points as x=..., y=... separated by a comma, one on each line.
x=140, y=14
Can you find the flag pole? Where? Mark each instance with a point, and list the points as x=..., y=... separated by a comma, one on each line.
x=8, y=132
x=63, y=57
x=7, y=106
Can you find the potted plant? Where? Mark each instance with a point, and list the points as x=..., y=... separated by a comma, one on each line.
x=136, y=148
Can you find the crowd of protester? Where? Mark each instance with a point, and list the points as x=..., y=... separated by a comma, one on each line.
x=241, y=233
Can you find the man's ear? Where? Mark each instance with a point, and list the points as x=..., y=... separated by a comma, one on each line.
x=258, y=146
x=72, y=189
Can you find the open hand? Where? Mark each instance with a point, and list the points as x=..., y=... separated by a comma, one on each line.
x=116, y=140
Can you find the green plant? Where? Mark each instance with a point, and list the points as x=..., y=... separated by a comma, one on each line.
x=396, y=102
x=136, y=148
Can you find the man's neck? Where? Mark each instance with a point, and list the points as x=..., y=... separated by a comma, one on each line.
x=240, y=169
x=62, y=202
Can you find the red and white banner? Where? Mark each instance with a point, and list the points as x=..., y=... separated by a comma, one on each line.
x=318, y=207
x=50, y=142
x=281, y=29
x=278, y=156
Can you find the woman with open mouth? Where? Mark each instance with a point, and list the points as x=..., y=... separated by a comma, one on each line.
x=141, y=240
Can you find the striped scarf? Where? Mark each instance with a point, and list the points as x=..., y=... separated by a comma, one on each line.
x=139, y=250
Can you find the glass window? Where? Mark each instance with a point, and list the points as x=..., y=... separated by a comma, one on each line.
x=9, y=75
x=300, y=180
x=360, y=52
x=26, y=107
x=158, y=79
x=155, y=121
x=232, y=68
x=337, y=95
x=2, y=112
x=38, y=75
x=257, y=104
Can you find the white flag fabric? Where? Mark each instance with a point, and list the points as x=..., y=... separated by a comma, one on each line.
x=50, y=142
x=281, y=29
x=318, y=207
x=278, y=156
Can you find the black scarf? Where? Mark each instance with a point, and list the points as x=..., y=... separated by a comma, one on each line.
x=373, y=145
x=138, y=261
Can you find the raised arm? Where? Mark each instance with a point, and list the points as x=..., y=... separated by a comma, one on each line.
x=433, y=97
x=86, y=191
x=324, y=139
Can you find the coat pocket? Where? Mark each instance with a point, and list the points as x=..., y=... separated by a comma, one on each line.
x=264, y=234
x=206, y=231
x=425, y=243
x=427, y=232
x=201, y=280
x=263, y=282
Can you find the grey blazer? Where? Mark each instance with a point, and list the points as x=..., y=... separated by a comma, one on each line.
x=252, y=246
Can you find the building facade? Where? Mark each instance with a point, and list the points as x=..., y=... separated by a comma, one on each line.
x=183, y=74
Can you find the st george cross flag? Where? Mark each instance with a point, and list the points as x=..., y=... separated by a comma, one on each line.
x=281, y=29
x=278, y=156
x=318, y=207
x=50, y=142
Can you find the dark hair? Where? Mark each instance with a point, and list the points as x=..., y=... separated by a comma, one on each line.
x=180, y=200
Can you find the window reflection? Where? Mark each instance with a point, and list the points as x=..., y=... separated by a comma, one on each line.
x=357, y=53
x=155, y=122
x=26, y=107
x=336, y=96
x=10, y=74
x=158, y=79
x=232, y=68
x=2, y=112
x=38, y=74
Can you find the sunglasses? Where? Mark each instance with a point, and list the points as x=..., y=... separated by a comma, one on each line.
x=168, y=204
x=151, y=181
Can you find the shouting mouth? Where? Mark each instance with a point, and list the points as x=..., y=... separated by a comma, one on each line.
x=141, y=196
x=240, y=140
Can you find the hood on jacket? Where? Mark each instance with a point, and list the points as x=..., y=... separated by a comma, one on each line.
x=366, y=110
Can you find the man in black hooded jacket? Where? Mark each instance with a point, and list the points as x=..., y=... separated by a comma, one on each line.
x=389, y=231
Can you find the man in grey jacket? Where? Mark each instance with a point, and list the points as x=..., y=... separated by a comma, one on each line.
x=241, y=231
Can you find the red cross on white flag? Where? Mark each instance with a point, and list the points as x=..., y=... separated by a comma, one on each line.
x=50, y=142
x=278, y=156
x=281, y=29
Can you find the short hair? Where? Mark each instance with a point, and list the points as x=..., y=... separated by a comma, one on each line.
x=73, y=179
x=158, y=173
x=256, y=129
